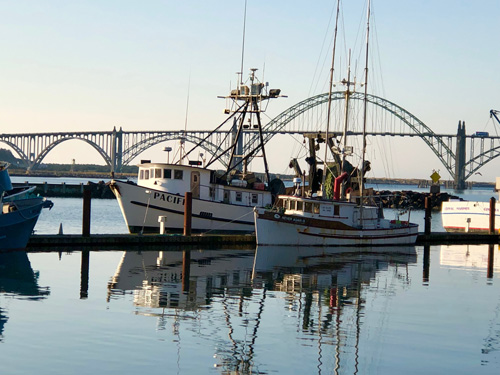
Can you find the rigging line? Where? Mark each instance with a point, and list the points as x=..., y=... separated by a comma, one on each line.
x=229, y=222
x=187, y=104
x=213, y=131
x=320, y=53
x=182, y=146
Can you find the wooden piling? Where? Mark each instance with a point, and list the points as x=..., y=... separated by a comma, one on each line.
x=86, y=211
x=492, y=215
x=188, y=211
x=427, y=218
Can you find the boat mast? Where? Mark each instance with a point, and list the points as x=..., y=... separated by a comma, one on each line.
x=327, y=136
x=347, y=83
x=365, y=102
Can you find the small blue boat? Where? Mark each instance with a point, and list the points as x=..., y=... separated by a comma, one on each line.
x=18, y=216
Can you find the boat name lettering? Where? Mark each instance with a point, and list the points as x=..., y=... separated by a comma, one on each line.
x=291, y=219
x=168, y=198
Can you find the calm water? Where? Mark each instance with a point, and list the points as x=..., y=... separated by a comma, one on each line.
x=300, y=311
x=270, y=310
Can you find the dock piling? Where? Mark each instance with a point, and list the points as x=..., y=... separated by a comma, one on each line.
x=427, y=218
x=86, y=211
x=188, y=208
x=492, y=215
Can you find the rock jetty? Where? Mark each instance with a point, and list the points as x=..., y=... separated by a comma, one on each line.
x=411, y=199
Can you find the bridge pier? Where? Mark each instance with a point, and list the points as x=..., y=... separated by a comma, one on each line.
x=459, y=183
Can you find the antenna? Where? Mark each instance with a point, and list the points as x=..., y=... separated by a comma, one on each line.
x=243, y=42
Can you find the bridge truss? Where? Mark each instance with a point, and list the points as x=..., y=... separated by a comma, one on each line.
x=118, y=147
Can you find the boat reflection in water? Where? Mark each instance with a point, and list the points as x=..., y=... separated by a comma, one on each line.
x=235, y=288
x=471, y=256
x=18, y=280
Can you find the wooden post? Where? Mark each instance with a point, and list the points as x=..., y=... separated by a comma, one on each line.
x=186, y=268
x=492, y=215
x=427, y=218
x=86, y=211
x=188, y=210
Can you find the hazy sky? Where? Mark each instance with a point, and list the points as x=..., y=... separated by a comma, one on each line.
x=92, y=65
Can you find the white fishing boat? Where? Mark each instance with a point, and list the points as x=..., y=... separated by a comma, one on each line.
x=18, y=216
x=346, y=218
x=222, y=201
x=469, y=216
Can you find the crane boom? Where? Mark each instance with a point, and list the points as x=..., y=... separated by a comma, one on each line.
x=494, y=113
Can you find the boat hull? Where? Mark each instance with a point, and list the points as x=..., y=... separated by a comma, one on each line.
x=141, y=211
x=16, y=227
x=465, y=216
x=273, y=228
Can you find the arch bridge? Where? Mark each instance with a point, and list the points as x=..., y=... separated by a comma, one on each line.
x=118, y=147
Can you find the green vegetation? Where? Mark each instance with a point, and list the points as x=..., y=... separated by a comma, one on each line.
x=49, y=169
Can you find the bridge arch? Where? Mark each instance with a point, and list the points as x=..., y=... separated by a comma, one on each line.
x=438, y=146
x=19, y=152
x=51, y=146
x=147, y=140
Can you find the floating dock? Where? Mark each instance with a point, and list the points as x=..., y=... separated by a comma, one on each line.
x=103, y=241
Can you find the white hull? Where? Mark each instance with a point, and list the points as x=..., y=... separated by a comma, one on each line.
x=141, y=211
x=464, y=216
x=292, y=230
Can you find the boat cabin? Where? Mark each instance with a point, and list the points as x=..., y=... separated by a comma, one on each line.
x=177, y=179
x=347, y=212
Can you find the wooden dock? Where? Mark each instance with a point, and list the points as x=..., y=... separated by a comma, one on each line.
x=117, y=241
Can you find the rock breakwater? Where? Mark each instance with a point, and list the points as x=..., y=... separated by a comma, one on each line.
x=410, y=199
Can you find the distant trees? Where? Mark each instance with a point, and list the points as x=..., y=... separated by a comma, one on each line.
x=6, y=155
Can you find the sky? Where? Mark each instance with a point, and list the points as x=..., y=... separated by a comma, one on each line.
x=93, y=65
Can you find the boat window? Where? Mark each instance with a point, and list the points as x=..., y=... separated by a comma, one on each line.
x=167, y=173
x=280, y=203
x=178, y=174
x=300, y=205
x=292, y=205
x=238, y=196
x=141, y=174
x=211, y=192
x=308, y=207
x=146, y=174
x=157, y=173
x=226, y=196
x=336, y=210
x=255, y=198
x=316, y=208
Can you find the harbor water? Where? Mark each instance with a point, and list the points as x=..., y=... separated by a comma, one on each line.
x=246, y=311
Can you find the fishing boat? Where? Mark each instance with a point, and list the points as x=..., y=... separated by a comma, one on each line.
x=469, y=216
x=222, y=201
x=348, y=217
x=18, y=216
